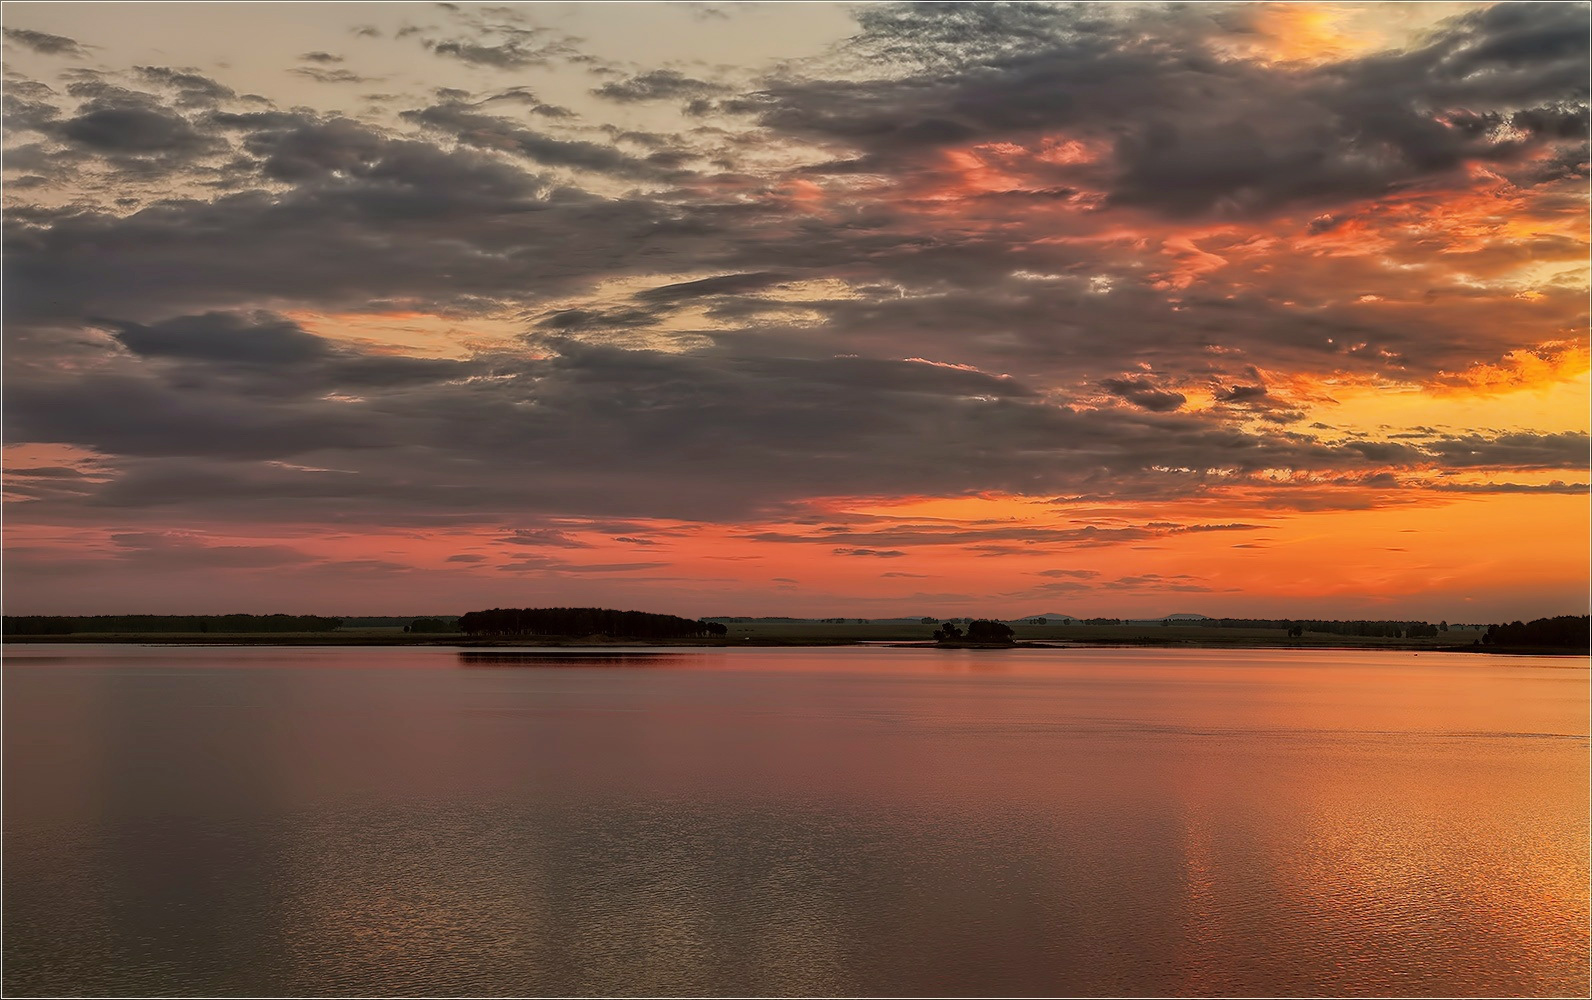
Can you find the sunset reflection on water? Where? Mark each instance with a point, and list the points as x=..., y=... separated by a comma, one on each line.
x=796, y=821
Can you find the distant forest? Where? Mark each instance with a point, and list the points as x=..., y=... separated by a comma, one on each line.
x=1383, y=629
x=1565, y=630
x=55, y=625
x=583, y=622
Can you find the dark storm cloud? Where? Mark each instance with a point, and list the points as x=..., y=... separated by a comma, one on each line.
x=45, y=43
x=657, y=85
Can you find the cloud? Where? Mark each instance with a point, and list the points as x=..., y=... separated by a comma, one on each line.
x=1144, y=394
x=222, y=337
x=493, y=132
x=727, y=284
x=545, y=538
x=163, y=551
x=1190, y=130
x=45, y=43
x=658, y=85
x=511, y=54
x=193, y=89
x=1241, y=393
x=1555, y=487
x=130, y=130
x=321, y=74
x=1096, y=220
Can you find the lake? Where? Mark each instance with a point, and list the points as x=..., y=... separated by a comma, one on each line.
x=275, y=820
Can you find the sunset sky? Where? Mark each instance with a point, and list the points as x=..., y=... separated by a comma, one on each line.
x=797, y=309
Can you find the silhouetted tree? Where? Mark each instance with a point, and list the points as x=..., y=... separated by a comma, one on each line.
x=584, y=621
x=1564, y=632
x=989, y=631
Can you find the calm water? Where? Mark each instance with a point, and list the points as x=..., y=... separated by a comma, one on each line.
x=786, y=821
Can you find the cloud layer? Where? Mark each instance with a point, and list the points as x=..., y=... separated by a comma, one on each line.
x=1114, y=253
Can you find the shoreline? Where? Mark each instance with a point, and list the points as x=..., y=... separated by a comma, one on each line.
x=463, y=642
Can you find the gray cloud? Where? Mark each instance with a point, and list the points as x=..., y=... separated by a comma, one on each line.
x=321, y=74
x=193, y=89
x=722, y=285
x=492, y=132
x=225, y=337
x=45, y=43
x=1144, y=393
x=545, y=538
x=658, y=85
x=1193, y=132
x=641, y=389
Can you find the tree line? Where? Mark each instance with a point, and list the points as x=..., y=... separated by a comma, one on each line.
x=1565, y=631
x=978, y=630
x=585, y=621
x=63, y=625
x=1297, y=626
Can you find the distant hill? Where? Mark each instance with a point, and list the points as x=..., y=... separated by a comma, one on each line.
x=1050, y=617
x=1183, y=616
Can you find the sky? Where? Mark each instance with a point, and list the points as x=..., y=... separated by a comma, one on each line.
x=1122, y=310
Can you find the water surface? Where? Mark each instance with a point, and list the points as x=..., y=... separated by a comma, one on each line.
x=270, y=820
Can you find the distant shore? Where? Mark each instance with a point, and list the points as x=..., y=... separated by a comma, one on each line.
x=1125, y=638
